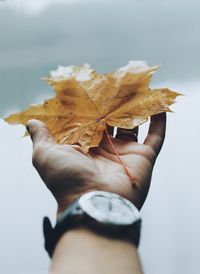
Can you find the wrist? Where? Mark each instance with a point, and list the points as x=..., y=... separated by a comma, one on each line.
x=84, y=249
x=107, y=213
x=64, y=201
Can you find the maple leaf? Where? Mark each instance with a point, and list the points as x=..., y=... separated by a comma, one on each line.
x=86, y=102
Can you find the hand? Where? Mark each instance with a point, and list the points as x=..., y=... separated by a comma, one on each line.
x=68, y=172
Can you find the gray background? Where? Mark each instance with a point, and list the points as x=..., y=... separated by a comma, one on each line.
x=37, y=36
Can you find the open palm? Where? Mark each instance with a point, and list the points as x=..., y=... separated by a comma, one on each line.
x=68, y=172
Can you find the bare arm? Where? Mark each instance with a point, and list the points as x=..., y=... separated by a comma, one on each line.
x=84, y=251
x=68, y=173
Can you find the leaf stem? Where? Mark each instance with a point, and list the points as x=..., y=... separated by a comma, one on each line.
x=118, y=157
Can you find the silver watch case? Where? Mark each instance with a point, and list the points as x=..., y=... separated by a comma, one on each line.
x=108, y=208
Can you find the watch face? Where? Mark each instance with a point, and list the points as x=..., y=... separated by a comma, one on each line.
x=109, y=208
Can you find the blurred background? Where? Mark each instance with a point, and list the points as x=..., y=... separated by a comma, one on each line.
x=36, y=37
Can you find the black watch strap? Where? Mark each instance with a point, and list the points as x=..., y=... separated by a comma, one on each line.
x=52, y=235
x=74, y=216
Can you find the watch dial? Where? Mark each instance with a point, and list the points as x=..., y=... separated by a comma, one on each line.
x=110, y=208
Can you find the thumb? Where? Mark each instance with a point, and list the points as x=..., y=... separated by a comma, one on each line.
x=39, y=132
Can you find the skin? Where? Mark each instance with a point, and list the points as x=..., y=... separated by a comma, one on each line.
x=68, y=173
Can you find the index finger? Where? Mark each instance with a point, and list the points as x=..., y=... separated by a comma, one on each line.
x=156, y=133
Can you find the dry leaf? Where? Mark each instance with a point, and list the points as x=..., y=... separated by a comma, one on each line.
x=86, y=102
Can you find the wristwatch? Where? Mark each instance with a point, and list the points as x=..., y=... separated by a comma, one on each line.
x=105, y=212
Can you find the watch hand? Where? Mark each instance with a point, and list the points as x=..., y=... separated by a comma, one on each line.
x=110, y=205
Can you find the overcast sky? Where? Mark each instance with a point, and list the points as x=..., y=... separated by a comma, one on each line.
x=106, y=35
x=36, y=37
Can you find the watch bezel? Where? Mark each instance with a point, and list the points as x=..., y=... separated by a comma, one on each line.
x=88, y=208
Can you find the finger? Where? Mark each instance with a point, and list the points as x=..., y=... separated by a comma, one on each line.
x=135, y=130
x=156, y=134
x=110, y=130
x=39, y=132
x=127, y=134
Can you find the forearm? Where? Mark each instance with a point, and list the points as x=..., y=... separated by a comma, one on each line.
x=83, y=251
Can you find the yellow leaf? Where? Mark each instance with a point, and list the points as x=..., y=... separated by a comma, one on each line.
x=86, y=102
